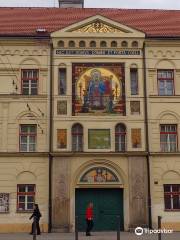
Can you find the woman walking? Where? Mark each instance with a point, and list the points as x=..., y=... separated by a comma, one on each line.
x=36, y=217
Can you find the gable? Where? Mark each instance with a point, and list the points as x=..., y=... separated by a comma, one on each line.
x=98, y=25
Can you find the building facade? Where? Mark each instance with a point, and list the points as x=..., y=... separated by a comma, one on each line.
x=89, y=112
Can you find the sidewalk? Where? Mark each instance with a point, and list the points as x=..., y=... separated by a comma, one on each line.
x=96, y=236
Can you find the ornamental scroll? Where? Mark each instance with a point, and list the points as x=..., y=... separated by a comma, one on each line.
x=98, y=27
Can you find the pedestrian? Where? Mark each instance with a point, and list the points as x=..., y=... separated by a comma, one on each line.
x=36, y=217
x=89, y=219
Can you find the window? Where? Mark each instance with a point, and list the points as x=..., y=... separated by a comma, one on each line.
x=172, y=196
x=28, y=136
x=61, y=44
x=124, y=44
x=71, y=44
x=165, y=82
x=82, y=44
x=120, y=138
x=136, y=137
x=77, y=138
x=62, y=81
x=25, y=197
x=103, y=44
x=29, y=82
x=168, y=138
x=113, y=44
x=62, y=138
x=92, y=44
x=134, y=44
x=135, y=107
x=134, y=81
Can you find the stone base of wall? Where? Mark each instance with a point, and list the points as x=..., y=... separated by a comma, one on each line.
x=175, y=226
x=20, y=228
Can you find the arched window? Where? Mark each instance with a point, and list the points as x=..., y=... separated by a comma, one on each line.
x=71, y=44
x=134, y=44
x=103, y=44
x=113, y=44
x=61, y=44
x=77, y=138
x=92, y=44
x=120, y=138
x=82, y=44
x=124, y=44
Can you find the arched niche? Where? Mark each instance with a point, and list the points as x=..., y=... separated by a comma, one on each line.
x=26, y=177
x=171, y=177
x=165, y=64
x=99, y=175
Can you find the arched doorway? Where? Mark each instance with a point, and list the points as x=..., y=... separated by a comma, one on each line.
x=103, y=187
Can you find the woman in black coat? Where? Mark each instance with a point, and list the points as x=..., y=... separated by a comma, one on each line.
x=36, y=217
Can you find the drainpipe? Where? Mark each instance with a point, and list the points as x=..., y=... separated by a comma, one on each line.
x=50, y=138
x=147, y=136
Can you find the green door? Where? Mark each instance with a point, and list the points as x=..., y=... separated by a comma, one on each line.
x=108, y=204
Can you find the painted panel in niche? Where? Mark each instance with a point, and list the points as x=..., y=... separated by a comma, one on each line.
x=61, y=107
x=136, y=137
x=62, y=138
x=99, y=139
x=4, y=202
x=98, y=89
x=99, y=175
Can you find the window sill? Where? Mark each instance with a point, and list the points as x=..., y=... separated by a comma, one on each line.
x=172, y=210
x=24, y=211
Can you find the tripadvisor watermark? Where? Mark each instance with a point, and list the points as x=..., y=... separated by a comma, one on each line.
x=140, y=231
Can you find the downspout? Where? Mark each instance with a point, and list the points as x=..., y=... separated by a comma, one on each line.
x=147, y=136
x=50, y=137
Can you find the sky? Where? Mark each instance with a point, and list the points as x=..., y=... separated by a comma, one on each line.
x=153, y=4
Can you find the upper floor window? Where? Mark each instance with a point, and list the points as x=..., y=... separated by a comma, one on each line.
x=29, y=81
x=134, y=44
x=71, y=44
x=61, y=44
x=124, y=44
x=82, y=44
x=165, y=82
x=113, y=44
x=120, y=138
x=172, y=196
x=25, y=197
x=103, y=44
x=62, y=81
x=92, y=44
x=77, y=138
x=134, y=81
x=168, y=138
x=27, y=138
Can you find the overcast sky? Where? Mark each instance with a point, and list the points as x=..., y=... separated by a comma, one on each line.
x=163, y=4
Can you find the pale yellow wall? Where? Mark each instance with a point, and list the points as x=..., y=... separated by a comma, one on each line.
x=163, y=110
x=164, y=170
x=23, y=170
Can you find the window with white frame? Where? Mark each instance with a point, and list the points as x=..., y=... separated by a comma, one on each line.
x=29, y=81
x=165, y=82
x=168, y=138
x=172, y=197
x=28, y=138
x=25, y=197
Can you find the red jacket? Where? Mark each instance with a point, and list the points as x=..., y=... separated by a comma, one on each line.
x=89, y=213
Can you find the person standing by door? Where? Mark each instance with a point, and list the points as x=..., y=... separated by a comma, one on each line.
x=36, y=217
x=89, y=219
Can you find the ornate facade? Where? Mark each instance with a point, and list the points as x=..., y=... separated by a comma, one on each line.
x=89, y=112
